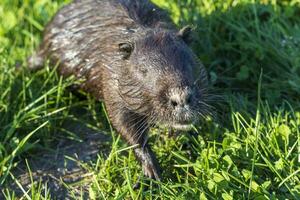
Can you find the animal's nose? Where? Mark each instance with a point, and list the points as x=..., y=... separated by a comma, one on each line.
x=180, y=97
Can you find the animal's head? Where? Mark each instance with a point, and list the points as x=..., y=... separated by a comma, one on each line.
x=164, y=79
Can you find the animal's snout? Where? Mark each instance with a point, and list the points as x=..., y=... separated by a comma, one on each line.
x=180, y=97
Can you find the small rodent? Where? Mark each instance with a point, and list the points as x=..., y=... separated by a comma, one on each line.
x=132, y=58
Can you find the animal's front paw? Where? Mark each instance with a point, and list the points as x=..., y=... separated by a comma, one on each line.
x=151, y=171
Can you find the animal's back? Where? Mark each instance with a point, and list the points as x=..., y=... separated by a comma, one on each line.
x=84, y=35
x=146, y=13
x=81, y=31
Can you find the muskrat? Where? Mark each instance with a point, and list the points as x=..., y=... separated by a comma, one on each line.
x=130, y=56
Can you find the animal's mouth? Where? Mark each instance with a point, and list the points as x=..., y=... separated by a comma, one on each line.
x=182, y=126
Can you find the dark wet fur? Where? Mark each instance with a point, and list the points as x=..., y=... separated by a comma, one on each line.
x=131, y=56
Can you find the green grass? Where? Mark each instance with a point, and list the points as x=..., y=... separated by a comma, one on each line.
x=251, y=151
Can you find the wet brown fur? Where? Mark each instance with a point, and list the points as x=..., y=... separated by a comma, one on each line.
x=131, y=56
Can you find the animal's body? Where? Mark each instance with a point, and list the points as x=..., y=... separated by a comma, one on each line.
x=131, y=57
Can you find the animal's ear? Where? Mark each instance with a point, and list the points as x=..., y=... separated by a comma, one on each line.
x=126, y=49
x=186, y=34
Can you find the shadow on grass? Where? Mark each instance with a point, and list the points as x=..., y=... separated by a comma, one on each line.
x=241, y=42
x=70, y=148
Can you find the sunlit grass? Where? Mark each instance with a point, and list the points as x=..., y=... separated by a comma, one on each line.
x=251, y=151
